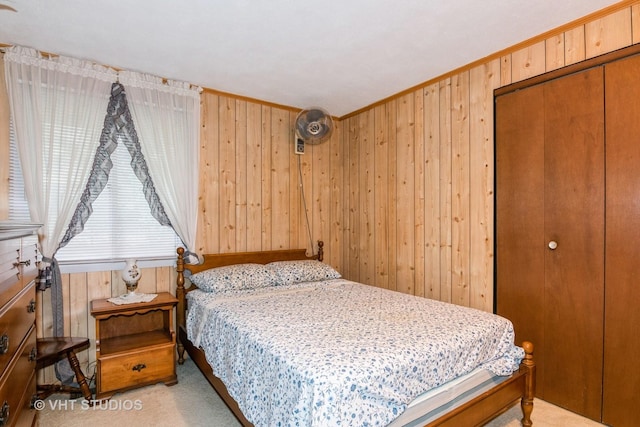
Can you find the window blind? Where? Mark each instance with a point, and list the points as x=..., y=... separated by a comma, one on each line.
x=18, y=205
x=121, y=225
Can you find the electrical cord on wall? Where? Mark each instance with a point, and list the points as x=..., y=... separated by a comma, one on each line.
x=304, y=202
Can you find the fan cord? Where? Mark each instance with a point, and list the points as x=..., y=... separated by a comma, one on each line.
x=304, y=203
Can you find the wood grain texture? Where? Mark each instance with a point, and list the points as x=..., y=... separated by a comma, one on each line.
x=574, y=46
x=520, y=164
x=419, y=193
x=528, y=62
x=431, y=133
x=445, y=183
x=460, y=190
x=299, y=171
x=554, y=50
x=608, y=33
x=621, y=379
x=405, y=184
x=365, y=188
x=381, y=194
x=351, y=259
x=481, y=185
x=635, y=23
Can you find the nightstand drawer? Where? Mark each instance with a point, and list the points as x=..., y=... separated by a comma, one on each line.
x=137, y=368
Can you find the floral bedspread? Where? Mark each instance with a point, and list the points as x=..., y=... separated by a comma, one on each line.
x=339, y=353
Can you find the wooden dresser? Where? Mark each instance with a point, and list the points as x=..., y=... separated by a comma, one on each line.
x=18, y=270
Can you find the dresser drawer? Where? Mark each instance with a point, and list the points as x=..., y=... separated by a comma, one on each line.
x=29, y=257
x=144, y=366
x=10, y=281
x=17, y=384
x=26, y=417
x=16, y=318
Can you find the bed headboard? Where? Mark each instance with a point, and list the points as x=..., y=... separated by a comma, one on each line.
x=220, y=260
x=257, y=257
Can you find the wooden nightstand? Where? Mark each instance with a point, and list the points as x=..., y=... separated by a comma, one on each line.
x=135, y=344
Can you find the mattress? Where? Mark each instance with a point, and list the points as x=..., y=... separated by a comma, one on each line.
x=339, y=352
x=434, y=403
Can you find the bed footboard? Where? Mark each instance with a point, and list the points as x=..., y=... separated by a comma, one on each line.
x=482, y=409
x=529, y=367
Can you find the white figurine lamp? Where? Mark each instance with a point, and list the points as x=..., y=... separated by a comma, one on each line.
x=131, y=276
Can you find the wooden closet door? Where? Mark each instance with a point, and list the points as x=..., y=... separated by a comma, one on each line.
x=520, y=217
x=622, y=297
x=550, y=188
x=574, y=220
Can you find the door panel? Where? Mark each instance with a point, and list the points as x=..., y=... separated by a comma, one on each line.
x=622, y=297
x=550, y=187
x=574, y=219
x=520, y=217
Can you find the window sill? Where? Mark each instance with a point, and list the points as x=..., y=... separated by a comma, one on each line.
x=67, y=267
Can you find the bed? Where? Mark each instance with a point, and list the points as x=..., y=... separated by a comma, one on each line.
x=269, y=368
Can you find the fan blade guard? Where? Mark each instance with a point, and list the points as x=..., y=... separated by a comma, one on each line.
x=314, y=125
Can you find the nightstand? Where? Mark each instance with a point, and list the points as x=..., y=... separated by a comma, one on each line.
x=135, y=344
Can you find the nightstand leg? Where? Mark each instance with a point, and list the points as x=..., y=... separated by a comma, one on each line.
x=180, y=353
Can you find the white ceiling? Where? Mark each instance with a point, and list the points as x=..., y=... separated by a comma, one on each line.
x=338, y=54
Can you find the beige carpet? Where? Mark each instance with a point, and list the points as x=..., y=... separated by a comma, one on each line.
x=544, y=415
x=192, y=402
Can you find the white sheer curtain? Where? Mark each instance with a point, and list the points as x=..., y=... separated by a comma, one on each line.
x=50, y=97
x=166, y=115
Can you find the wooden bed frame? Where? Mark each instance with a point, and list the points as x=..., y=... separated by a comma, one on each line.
x=519, y=386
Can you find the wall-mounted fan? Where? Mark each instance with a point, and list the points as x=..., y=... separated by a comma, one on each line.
x=313, y=126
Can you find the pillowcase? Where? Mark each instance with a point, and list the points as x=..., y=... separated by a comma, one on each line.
x=290, y=272
x=234, y=277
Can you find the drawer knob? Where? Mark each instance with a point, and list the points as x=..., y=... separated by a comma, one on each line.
x=26, y=263
x=4, y=414
x=31, y=308
x=139, y=367
x=33, y=355
x=4, y=344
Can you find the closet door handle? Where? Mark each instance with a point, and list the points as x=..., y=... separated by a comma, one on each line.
x=553, y=245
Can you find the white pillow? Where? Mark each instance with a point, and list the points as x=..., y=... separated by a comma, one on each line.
x=290, y=272
x=234, y=277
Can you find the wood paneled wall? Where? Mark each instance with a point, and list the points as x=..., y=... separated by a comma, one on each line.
x=419, y=167
x=252, y=183
x=402, y=194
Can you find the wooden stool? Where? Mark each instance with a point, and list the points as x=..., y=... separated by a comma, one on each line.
x=50, y=350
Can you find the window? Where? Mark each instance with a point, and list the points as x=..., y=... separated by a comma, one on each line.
x=18, y=206
x=120, y=227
